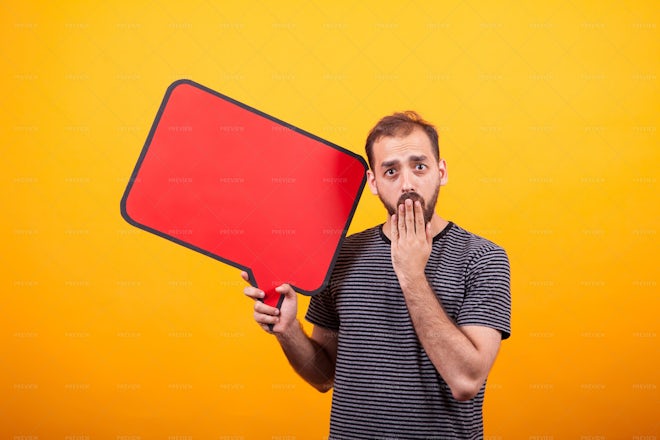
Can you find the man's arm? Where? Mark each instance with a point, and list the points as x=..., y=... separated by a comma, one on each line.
x=462, y=355
x=312, y=357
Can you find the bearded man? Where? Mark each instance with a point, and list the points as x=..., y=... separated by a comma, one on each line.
x=412, y=319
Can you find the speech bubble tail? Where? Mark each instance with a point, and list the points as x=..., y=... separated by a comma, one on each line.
x=273, y=298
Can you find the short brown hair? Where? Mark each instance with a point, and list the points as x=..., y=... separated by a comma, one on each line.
x=400, y=124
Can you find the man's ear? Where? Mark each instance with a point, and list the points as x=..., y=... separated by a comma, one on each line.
x=442, y=169
x=371, y=180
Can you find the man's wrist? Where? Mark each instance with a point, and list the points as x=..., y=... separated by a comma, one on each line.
x=289, y=332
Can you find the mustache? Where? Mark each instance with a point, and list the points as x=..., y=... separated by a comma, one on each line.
x=412, y=196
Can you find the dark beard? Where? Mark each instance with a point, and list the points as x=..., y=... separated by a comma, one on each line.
x=428, y=210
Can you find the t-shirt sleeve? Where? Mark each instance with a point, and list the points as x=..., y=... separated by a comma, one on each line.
x=488, y=291
x=322, y=310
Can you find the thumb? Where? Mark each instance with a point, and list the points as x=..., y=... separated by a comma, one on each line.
x=286, y=290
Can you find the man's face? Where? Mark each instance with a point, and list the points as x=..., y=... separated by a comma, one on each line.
x=405, y=167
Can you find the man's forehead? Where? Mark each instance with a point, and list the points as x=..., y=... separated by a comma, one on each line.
x=402, y=148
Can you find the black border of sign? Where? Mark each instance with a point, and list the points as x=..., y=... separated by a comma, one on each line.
x=143, y=153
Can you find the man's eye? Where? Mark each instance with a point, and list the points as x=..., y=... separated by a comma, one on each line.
x=420, y=166
x=390, y=172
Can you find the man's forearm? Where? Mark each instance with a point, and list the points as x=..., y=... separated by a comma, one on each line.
x=453, y=354
x=308, y=358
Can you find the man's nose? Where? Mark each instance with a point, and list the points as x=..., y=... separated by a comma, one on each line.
x=407, y=184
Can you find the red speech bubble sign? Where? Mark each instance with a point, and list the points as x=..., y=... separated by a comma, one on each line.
x=243, y=187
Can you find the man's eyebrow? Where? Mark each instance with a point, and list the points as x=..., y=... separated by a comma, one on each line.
x=414, y=158
x=389, y=163
x=420, y=158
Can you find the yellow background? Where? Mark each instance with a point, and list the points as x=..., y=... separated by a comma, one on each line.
x=548, y=115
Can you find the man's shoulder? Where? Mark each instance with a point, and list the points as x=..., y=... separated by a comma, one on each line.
x=366, y=236
x=366, y=242
x=473, y=243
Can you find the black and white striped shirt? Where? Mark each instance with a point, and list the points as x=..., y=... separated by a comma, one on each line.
x=385, y=385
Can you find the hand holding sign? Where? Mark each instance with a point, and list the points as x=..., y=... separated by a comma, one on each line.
x=245, y=188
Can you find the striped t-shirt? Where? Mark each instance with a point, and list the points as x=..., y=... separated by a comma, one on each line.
x=385, y=384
